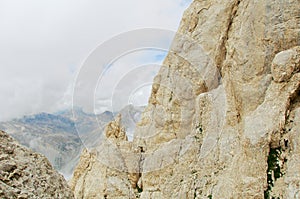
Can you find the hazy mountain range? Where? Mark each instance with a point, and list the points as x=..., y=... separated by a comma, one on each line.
x=61, y=136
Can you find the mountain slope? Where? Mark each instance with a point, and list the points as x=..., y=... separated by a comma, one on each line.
x=52, y=135
x=25, y=174
x=62, y=136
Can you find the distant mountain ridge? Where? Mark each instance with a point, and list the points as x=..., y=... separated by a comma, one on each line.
x=61, y=136
x=56, y=122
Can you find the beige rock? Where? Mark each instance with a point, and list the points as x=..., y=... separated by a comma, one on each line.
x=93, y=179
x=285, y=64
x=114, y=131
x=217, y=124
x=109, y=170
x=25, y=174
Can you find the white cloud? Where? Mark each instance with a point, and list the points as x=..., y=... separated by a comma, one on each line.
x=128, y=80
x=43, y=44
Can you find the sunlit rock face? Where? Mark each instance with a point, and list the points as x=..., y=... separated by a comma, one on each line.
x=25, y=174
x=223, y=117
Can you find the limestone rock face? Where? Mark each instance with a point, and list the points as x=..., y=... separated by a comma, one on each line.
x=223, y=116
x=104, y=171
x=114, y=130
x=25, y=174
x=285, y=64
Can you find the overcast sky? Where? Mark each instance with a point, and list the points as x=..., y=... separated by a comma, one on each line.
x=44, y=43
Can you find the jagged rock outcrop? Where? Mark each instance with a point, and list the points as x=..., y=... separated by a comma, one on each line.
x=102, y=172
x=25, y=174
x=223, y=116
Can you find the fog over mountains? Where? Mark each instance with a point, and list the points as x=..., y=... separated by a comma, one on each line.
x=61, y=136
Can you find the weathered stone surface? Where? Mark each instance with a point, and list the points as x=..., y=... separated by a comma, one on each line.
x=25, y=174
x=104, y=172
x=285, y=64
x=222, y=119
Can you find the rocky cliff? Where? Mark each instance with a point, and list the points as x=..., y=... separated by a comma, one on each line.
x=223, y=116
x=25, y=174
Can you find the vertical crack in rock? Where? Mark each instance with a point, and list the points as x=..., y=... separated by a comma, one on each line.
x=274, y=170
x=279, y=150
x=222, y=50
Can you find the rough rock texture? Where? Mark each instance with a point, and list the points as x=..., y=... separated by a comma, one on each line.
x=25, y=174
x=102, y=172
x=223, y=116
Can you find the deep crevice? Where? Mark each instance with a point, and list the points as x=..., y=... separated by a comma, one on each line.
x=295, y=100
x=278, y=152
x=274, y=170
